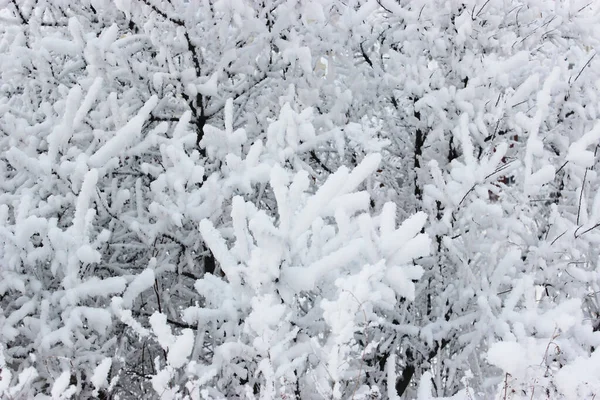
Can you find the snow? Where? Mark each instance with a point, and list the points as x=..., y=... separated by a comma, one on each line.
x=61, y=46
x=126, y=317
x=83, y=203
x=390, y=367
x=401, y=280
x=406, y=231
x=108, y=36
x=465, y=139
x=541, y=177
x=578, y=152
x=15, y=317
x=301, y=55
x=238, y=213
x=210, y=85
x=164, y=336
x=182, y=125
x=97, y=319
x=312, y=11
x=338, y=240
x=365, y=11
x=534, y=143
x=140, y=283
x=94, y=287
x=219, y=249
x=88, y=255
x=524, y=91
x=160, y=384
x=464, y=26
x=125, y=136
x=334, y=184
x=26, y=377
x=63, y=132
x=5, y=374
x=350, y=203
x=88, y=101
x=181, y=349
x=508, y=356
x=426, y=388
x=361, y=172
x=100, y=377
x=578, y=380
x=60, y=385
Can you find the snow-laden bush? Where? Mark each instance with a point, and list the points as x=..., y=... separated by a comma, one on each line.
x=121, y=131
x=158, y=158
x=303, y=298
x=492, y=111
x=87, y=281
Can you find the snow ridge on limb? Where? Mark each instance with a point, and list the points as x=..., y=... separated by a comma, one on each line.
x=125, y=136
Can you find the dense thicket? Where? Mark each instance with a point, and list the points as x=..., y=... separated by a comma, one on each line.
x=299, y=199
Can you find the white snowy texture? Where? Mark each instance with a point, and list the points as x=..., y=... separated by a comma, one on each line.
x=320, y=199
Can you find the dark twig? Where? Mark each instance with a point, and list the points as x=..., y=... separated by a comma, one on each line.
x=382, y=6
x=581, y=195
x=482, y=7
x=561, y=167
x=421, y=11
x=313, y=155
x=19, y=13
x=466, y=194
x=558, y=237
x=581, y=71
x=584, y=7
x=586, y=231
x=365, y=56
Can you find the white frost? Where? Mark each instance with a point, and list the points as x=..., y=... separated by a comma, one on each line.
x=124, y=137
x=100, y=377
x=181, y=349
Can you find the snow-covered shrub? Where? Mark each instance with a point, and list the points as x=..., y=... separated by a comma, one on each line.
x=499, y=104
x=304, y=294
x=126, y=126
x=121, y=129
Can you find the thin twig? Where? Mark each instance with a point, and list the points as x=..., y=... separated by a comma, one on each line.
x=482, y=7
x=420, y=12
x=584, y=232
x=555, y=334
x=581, y=195
x=576, y=13
x=502, y=168
x=561, y=167
x=19, y=12
x=382, y=6
x=466, y=194
x=506, y=385
x=558, y=237
x=581, y=71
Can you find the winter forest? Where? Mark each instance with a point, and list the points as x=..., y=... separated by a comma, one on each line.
x=299, y=199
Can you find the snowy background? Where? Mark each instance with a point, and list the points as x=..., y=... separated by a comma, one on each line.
x=310, y=199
